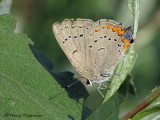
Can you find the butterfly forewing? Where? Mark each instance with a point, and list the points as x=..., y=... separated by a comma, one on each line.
x=71, y=45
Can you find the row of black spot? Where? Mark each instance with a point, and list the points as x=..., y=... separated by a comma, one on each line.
x=81, y=26
x=119, y=45
x=73, y=27
x=108, y=39
x=92, y=46
x=95, y=40
x=81, y=35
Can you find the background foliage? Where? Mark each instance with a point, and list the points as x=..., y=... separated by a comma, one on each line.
x=35, y=18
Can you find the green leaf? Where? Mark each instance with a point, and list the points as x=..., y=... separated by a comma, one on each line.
x=149, y=113
x=133, y=6
x=110, y=109
x=123, y=68
x=29, y=90
x=153, y=116
x=153, y=90
x=148, y=106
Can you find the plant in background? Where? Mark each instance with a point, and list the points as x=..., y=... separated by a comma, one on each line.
x=30, y=89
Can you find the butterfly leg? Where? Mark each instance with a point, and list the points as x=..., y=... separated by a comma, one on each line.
x=109, y=75
x=105, y=87
x=98, y=88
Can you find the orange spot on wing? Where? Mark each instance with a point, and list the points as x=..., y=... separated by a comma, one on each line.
x=127, y=42
x=120, y=31
x=114, y=29
x=108, y=26
x=103, y=27
x=123, y=40
x=96, y=30
x=80, y=26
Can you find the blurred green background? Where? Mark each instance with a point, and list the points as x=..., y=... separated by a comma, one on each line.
x=35, y=18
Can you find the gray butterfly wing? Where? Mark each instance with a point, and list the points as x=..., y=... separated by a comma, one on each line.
x=72, y=37
x=92, y=48
x=108, y=49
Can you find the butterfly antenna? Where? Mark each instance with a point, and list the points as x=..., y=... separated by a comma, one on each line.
x=71, y=84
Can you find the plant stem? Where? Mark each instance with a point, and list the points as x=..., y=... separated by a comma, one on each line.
x=147, y=101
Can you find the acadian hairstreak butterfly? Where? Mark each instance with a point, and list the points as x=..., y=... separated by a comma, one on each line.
x=93, y=48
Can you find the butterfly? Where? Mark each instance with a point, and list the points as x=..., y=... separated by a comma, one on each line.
x=93, y=48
